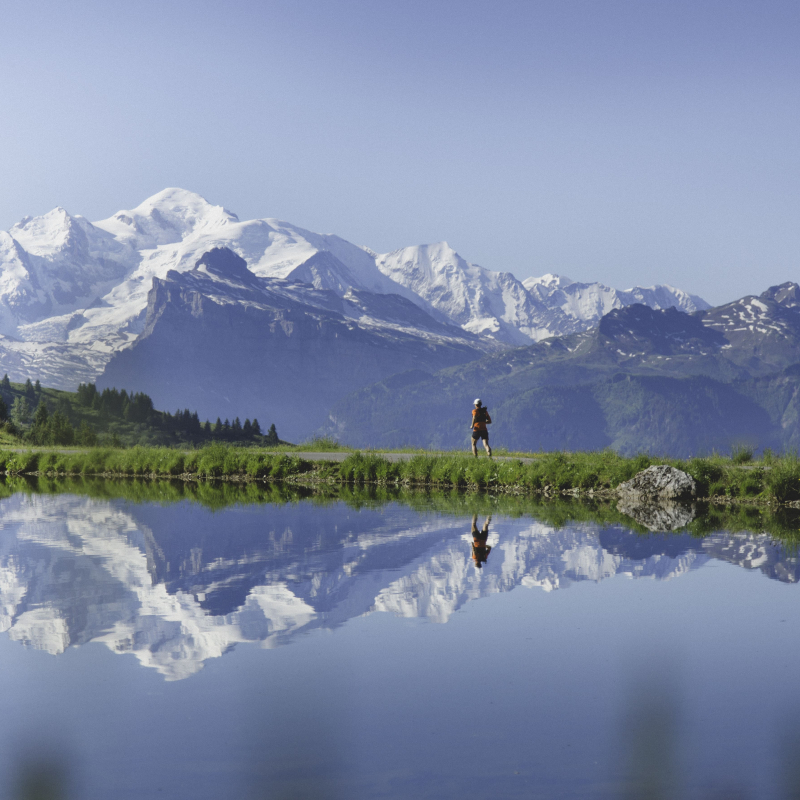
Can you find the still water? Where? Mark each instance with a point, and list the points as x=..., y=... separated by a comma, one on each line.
x=324, y=650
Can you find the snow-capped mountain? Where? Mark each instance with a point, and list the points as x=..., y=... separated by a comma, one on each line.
x=491, y=303
x=79, y=289
x=583, y=304
x=176, y=587
x=232, y=341
x=64, y=279
x=512, y=311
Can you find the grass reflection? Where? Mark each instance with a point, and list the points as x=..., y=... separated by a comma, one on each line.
x=781, y=522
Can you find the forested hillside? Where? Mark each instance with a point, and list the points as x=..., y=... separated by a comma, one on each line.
x=42, y=416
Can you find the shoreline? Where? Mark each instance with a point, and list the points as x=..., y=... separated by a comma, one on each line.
x=774, y=481
x=309, y=481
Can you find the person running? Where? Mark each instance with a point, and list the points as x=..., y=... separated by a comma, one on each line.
x=480, y=419
x=480, y=548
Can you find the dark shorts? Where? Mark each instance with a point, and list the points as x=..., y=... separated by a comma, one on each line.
x=480, y=435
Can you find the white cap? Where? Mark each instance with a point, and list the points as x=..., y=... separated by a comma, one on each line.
x=477, y=401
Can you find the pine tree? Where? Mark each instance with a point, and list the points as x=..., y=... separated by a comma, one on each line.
x=5, y=384
x=20, y=411
x=272, y=435
x=40, y=433
x=3, y=410
x=86, y=435
x=29, y=390
x=42, y=414
x=256, y=427
x=37, y=387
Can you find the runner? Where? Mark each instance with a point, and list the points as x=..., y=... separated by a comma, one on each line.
x=480, y=419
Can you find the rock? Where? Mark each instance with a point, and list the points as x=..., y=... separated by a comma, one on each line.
x=657, y=484
x=665, y=515
x=657, y=498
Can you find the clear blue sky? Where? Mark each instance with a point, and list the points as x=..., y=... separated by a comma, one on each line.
x=626, y=142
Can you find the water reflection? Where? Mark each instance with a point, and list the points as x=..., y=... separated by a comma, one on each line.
x=176, y=585
x=480, y=538
x=665, y=515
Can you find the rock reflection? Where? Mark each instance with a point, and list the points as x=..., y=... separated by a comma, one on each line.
x=177, y=585
x=665, y=515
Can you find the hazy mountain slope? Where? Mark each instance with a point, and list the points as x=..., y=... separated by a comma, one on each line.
x=681, y=417
x=662, y=381
x=779, y=396
x=228, y=343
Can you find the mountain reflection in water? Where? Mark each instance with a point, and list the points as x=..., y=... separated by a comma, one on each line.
x=177, y=585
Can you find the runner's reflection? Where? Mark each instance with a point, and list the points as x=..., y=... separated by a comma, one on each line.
x=480, y=549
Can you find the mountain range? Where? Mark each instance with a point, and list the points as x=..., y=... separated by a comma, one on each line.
x=643, y=379
x=65, y=279
x=180, y=299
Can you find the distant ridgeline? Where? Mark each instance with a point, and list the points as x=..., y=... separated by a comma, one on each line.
x=43, y=416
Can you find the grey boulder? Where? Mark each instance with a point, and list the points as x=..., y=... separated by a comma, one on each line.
x=658, y=498
x=656, y=484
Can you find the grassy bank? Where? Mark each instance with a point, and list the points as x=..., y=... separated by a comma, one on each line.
x=777, y=479
x=772, y=479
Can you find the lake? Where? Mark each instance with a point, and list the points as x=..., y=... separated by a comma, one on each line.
x=300, y=646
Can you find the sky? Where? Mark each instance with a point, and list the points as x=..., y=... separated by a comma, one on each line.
x=630, y=143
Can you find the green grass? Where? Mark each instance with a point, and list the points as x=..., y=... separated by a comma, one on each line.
x=736, y=478
x=775, y=478
x=212, y=461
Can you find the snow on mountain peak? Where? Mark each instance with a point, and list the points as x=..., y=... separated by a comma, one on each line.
x=166, y=218
x=64, y=279
x=494, y=304
x=549, y=281
x=46, y=234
